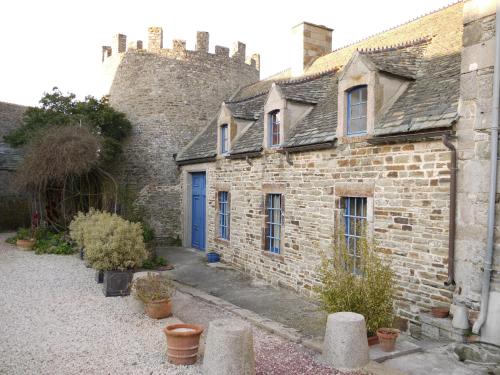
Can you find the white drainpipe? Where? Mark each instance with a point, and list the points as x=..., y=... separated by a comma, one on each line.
x=485, y=292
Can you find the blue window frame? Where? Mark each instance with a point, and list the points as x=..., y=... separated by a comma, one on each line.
x=224, y=215
x=357, y=99
x=274, y=128
x=355, y=224
x=224, y=144
x=273, y=222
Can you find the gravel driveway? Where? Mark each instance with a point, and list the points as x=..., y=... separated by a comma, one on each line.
x=55, y=320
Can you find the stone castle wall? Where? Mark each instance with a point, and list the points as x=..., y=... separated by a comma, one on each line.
x=407, y=187
x=169, y=95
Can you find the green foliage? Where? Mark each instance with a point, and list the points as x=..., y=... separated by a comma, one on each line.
x=48, y=242
x=111, y=242
x=21, y=234
x=154, y=263
x=152, y=288
x=58, y=109
x=368, y=291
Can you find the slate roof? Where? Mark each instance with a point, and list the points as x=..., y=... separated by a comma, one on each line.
x=204, y=145
x=428, y=58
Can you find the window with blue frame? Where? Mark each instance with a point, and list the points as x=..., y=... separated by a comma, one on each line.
x=223, y=215
x=273, y=222
x=355, y=226
x=274, y=128
x=357, y=99
x=224, y=140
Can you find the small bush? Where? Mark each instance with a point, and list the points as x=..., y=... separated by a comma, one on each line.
x=111, y=242
x=154, y=263
x=48, y=242
x=21, y=234
x=152, y=288
x=77, y=226
x=369, y=291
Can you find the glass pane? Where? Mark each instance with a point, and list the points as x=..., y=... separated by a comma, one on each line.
x=357, y=125
x=355, y=96
x=356, y=111
x=363, y=110
x=364, y=94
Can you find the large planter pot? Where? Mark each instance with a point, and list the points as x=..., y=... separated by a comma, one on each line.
x=158, y=309
x=373, y=340
x=99, y=277
x=213, y=257
x=117, y=283
x=387, y=338
x=25, y=244
x=82, y=253
x=183, y=341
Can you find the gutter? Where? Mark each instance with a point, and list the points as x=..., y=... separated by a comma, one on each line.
x=452, y=210
x=408, y=137
x=310, y=147
x=485, y=291
x=245, y=155
x=196, y=161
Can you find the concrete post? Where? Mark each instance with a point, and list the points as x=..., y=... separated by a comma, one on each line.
x=346, y=346
x=229, y=348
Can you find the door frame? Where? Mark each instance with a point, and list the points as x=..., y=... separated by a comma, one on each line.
x=187, y=222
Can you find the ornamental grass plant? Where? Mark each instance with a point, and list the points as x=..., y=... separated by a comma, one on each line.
x=153, y=287
x=363, y=285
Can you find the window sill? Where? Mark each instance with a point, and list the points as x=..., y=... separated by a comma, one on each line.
x=273, y=256
x=346, y=139
x=222, y=241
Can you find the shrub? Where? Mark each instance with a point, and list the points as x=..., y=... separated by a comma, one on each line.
x=48, y=242
x=21, y=234
x=368, y=291
x=76, y=227
x=111, y=242
x=152, y=288
x=154, y=263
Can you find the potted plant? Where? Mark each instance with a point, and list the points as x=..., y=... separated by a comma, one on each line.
x=213, y=257
x=183, y=341
x=387, y=338
x=155, y=292
x=24, y=239
x=112, y=245
x=363, y=285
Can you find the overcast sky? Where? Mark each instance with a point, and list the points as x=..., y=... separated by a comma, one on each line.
x=58, y=42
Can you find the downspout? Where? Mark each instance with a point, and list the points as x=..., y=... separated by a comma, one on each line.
x=452, y=210
x=485, y=292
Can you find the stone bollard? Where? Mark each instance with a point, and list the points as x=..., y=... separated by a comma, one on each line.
x=229, y=348
x=346, y=346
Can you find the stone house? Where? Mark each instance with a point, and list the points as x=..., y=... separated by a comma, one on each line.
x=368, y=133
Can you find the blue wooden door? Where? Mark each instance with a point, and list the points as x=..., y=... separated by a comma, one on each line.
x=198, y=211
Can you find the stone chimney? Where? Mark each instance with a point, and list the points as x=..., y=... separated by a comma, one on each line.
x=309, y=41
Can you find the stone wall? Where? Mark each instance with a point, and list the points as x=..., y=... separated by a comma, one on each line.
x=473, y=142
x=407, y=187
x=169, y=95
x=14, y=209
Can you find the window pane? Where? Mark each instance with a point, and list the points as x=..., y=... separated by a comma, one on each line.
x=355, y=96
x=363, y=110
x=357, y=125
x=364, y=94
x=356, y=111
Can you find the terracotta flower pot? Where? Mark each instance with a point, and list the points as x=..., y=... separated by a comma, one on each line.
x=373, y=340
x=183, y=341
x=387, y=338
x=158, y=309
x=440, y=312
x=26, y=244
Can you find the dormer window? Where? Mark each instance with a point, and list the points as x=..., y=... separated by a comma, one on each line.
x=224, y=139
x=357, y=99
x=274, y=129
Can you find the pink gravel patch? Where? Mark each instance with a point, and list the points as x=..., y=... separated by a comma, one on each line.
x=276, y=356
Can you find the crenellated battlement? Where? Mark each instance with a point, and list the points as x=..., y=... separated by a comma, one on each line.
x=178, y=49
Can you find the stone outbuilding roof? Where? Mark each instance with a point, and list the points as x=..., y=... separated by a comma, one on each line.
x=425, y=52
